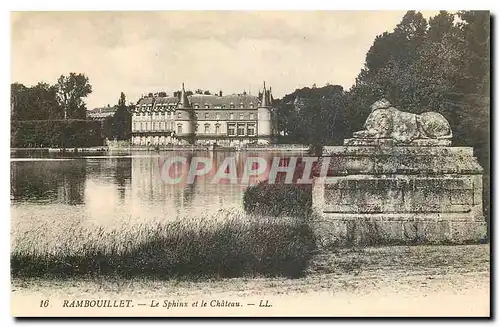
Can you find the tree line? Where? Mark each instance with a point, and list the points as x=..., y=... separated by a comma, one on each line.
x=55, y=115
x=63, y=100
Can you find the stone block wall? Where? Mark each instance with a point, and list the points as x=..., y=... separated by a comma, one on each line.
x=399, y=195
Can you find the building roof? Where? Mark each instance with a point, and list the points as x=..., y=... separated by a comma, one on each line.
x=227, y=100
x=158, y=100
x=199, y=100
x=102, y=110
x=204, y=101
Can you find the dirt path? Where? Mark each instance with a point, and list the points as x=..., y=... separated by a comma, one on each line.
x=419, y=280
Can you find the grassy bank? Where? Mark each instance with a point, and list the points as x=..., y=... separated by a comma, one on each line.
x=231, y=247
x=361, y=270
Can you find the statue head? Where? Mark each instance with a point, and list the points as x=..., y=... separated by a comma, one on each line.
x=380, y=104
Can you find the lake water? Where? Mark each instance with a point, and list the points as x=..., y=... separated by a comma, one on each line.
x=109, y=190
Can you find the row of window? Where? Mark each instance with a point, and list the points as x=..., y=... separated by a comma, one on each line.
x=156, y=114
x=223, y=106
x=207, y=115
x=146, y=126
x=206, y=130
x=233, y=129
x=239, y=129
x=197, y=106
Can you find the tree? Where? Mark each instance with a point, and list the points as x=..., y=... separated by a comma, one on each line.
x=440, y=26
x=71, y=90
x=309, y=115
x=444, y=68
x=122, y=120
x=34, y=103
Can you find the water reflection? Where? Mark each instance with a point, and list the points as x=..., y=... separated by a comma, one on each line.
x=48, y=181
x=108, y=190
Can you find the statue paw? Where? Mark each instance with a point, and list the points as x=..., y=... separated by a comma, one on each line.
x=364, y=134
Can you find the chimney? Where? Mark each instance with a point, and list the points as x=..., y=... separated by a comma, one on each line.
x=220, y=93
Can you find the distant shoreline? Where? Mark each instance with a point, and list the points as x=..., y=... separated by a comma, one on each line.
x=277, y=147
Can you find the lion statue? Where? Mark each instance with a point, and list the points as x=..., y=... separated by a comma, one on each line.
x=388, y=122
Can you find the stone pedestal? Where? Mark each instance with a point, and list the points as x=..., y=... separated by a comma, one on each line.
x=379, y=194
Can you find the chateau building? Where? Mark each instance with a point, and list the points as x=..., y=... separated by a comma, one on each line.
x=225, y=120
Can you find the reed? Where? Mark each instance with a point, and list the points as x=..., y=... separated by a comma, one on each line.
x=232, y=246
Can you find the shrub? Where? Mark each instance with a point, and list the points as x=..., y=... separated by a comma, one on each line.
x=278, y=199
x=56, y=133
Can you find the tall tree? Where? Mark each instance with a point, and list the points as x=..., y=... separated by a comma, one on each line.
x=309, y=115
x=122, y=120
x=71, y=90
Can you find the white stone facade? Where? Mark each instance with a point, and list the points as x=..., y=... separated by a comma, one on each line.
x=229, y=120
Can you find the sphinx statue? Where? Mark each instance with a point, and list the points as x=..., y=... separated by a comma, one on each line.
x=387, y=122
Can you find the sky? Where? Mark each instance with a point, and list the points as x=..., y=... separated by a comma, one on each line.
x=141, y=52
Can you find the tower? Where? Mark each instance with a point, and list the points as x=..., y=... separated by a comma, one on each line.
x=264, y=119
x=184, y=124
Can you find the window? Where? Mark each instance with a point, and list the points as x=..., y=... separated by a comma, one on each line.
x=251, y=105
x=179, y=129
x=161, y=126
x=179, y=115
x=230, y=129
x=217, y=129
x=242, y=105
x=135, y=126
x=231, y=106
x=251, y=130
x=207, y=106
x=142, y=126
x=207, y=128
x=241, y=129
x=217, y=116
x=154, y=126
x=252, y=116
x=197, y=127
x=196, y=106
x=206, y=115
x=231, y=116
x=147, y=126
x=241, y=117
